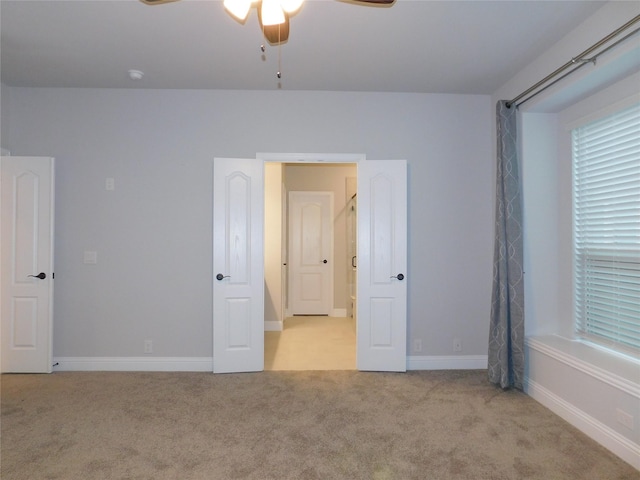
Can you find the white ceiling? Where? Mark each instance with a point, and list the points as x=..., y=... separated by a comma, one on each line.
x=469, y=47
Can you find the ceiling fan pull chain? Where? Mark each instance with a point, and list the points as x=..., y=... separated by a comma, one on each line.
x=279, y=74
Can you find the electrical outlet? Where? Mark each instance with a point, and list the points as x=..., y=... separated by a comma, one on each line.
x=110, y=184
x=624, y=418
x=417, y=345
x=457, y=345
x=148, y=346
x=90, y=257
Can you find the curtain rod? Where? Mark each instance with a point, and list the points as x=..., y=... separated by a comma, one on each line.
x=580, y=64
x=579, y=59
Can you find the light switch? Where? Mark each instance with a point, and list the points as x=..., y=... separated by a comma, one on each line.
x=110, y=183
x=90, y=258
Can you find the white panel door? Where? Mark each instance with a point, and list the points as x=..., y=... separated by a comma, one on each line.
x=310, y=252
x=238, y=265
x=26, y=280
x=382, y=266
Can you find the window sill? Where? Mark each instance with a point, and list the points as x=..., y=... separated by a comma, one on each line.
x=617, y=370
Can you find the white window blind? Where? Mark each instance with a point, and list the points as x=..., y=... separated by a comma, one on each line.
x=606, y=161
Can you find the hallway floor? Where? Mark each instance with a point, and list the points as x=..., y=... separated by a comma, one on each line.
x=312, y=343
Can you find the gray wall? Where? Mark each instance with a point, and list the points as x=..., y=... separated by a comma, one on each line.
x=153, y=233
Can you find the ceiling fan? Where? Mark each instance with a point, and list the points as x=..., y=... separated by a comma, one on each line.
x=273, y=15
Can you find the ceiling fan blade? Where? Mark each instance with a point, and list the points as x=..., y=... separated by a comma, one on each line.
x=157, y=2
x=375, y=2
x=275, y=34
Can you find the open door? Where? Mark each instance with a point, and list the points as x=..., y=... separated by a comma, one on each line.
x=382, y=266
x=26, y=278
x=238, y=265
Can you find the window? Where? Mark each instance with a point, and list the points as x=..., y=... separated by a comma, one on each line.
x=606, y=193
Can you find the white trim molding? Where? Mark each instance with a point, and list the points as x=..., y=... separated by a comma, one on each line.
x=590, y=360
x=598, y=431
x=447, y=362
x=205, y=364
x=133, y=364
x=311, y=157
x=273, y=326
x=589, y=387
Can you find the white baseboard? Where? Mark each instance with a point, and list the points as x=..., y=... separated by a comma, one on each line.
x=133, y=364
x=273, y=326
x=601, y=433
x=205, y=364
x=447, y=362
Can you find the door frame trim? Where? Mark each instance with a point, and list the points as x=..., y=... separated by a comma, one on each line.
x=311, y=157
x=315, y=158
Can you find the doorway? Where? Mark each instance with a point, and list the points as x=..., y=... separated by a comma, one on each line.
x=239, y=253
x=306, y=225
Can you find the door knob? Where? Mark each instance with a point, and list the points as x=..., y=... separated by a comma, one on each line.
x=41, y=276
x=221, y=276
x=324, y=261
x=399, y=276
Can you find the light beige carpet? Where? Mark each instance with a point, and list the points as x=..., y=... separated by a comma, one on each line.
x=287, y=425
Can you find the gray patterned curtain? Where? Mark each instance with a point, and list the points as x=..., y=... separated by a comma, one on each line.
x=506, y=337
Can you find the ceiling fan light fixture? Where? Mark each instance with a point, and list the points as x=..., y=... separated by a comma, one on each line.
x=238, y=8
x=271, y=12
x=291, y=6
